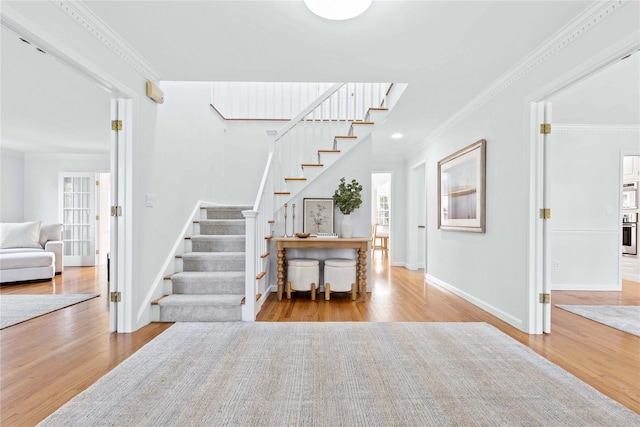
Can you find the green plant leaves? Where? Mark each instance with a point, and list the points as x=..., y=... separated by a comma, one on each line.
x=348, y=196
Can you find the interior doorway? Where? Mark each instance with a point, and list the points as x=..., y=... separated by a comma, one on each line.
x=418, y=218
x=381, y=211
x=578, y=174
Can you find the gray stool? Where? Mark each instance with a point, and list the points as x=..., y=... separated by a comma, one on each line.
x=303, y=274
x=340, y=276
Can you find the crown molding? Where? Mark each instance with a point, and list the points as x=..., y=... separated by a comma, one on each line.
x=594, y=128
x=88, y=20
x=588, y=19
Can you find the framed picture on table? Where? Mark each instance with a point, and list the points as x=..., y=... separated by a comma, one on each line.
x=317, y=216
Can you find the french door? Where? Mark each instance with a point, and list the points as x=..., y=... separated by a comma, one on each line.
x=78, y=218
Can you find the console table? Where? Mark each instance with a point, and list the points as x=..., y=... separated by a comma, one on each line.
x=360, y=244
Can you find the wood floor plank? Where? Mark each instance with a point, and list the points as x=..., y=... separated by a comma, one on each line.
x=46, y=361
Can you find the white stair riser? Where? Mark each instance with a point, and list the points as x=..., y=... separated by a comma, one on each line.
x=361, y=131
x=294, y=186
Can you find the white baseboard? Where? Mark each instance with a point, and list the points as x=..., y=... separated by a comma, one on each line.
x=582, y=287
x=513, y=321
x=399, y=264
x=632, y=277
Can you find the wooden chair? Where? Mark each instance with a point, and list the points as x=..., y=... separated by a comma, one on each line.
x=379, y=233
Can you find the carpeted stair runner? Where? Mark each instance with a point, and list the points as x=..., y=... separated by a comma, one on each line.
x=211, y=286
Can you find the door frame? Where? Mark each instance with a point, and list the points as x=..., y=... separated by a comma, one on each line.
x=418, y=215
x=534, y=107
x=118, y=90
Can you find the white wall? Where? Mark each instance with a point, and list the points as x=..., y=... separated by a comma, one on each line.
x=610, y=96
x=12, y=186
x=41, y=193
x=585, y=173
x=492, y=269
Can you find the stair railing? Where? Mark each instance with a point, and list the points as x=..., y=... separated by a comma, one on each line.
x=296, y=143
x=258, y=234
x=328, y=116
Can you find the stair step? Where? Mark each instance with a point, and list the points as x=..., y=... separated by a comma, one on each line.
x=226, y=212
x=213, y=261
x=201, y=308
x=222, y=226
x=218, y=243
x=204, y=282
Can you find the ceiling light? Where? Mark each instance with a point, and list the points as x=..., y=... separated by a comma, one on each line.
x=396, y=135
x=338, y=10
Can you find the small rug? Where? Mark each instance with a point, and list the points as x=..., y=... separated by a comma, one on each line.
x=16, y=309
x=338, y=374
x=623, y=317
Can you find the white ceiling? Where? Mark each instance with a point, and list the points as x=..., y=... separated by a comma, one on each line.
x=447, y=51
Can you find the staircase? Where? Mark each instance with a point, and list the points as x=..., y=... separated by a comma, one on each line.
x=211, y=286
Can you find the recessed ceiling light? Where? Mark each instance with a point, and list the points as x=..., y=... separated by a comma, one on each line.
x=338, y=10
x=396, y=135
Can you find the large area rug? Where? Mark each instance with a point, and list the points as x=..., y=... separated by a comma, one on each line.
x=623, y=317
x=338, y=374
x=16, y=309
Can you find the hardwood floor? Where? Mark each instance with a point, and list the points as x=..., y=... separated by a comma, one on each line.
x=46, y=361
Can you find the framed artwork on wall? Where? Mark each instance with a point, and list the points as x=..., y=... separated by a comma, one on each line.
x=317, y=216
x=461, y=189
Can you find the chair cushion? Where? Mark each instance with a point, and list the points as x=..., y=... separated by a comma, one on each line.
x=303, y=262
x=20, y=235
x=340, y=262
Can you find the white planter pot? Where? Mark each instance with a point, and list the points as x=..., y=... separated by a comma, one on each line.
x=346, y=229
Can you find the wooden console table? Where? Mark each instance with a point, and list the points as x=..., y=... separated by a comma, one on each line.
x=360, y=244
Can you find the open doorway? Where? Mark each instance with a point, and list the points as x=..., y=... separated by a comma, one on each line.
x=381, y=215
x=580, y=171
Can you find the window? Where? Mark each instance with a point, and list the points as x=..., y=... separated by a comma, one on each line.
x=383, y=209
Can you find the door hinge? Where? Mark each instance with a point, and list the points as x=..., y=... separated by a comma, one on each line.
x=116, y=210
x=97, y=217
x=116, y=296
x=116, y=124
x=545, y=128
x=97, y=182
x=545, y=213
x=97, y=251
x=545, y=298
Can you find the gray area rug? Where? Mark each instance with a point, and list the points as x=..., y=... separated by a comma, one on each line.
x=623, y=317
x=338, y=374
x=16, y=309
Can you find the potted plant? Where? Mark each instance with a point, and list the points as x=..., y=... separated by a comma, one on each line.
x=348, y=198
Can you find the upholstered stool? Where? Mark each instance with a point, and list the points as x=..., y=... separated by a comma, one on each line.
x=303, y=274
x=340, y=276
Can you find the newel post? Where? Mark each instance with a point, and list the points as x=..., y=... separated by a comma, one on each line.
x=249, y=307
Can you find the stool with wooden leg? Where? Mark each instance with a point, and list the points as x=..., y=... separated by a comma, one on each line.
x=340, y=276
x=303, y=274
